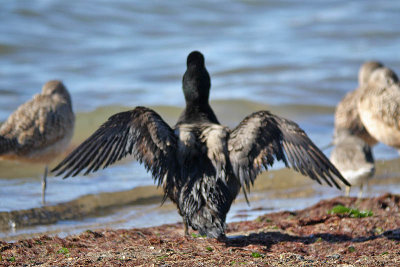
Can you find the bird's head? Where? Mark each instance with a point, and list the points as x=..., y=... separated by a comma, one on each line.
x=196, y=80
x=366, y=70
x=56, y=87
x=384, y=77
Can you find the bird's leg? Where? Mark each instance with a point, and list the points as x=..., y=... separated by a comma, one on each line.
x=186, y=228
x=361, y=191
x=347, y=191
x=44, y=185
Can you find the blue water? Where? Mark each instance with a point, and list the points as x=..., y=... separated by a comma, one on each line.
x=129, y=53
x=134, y=52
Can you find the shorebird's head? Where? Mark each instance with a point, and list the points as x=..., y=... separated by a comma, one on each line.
x=366, y=70
x=384, y=76
x=196, y=80
x=54, y=87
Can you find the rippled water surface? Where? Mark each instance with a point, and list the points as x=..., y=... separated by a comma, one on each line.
x=297, y=59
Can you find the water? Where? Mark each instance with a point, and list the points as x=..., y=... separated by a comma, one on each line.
x=296, y=59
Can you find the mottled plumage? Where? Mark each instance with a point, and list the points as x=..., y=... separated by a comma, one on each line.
x=379, y=107
x=347, y=115
x=39, y=129
x=201, y=164
x=353, y=157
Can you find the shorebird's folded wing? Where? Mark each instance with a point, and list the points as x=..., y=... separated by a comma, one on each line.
x=262, y=136
x=380, y=104
x=36, y=124
x=140, y=132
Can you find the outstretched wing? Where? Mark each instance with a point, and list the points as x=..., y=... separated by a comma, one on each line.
x=141, y=132
x=262, y=136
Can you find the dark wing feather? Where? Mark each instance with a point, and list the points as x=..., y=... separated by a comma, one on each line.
x=262, y=136
x=141, y=132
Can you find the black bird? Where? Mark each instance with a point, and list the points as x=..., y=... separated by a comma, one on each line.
x=201, y=164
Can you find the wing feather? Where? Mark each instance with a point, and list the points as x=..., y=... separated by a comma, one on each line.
x=267, y=136
x=140, y=132
x=101, y=157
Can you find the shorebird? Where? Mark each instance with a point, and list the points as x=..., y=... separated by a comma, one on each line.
x=379, y=107
x=347, y=115
x=39, y=129
x=201, y=164
x=352, y=156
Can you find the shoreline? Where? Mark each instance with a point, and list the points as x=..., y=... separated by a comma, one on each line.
x=309, y=236
x=275, y=190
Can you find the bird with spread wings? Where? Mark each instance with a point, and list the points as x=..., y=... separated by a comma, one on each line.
x=201, y=164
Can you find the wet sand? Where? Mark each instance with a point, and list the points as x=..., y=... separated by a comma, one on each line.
x=271, y=190
x=312, y=237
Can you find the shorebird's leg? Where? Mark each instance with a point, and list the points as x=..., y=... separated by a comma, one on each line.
x=44, y=185
x=361, y=191
x=347, y=191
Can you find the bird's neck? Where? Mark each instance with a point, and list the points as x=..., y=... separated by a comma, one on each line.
x=197, y=113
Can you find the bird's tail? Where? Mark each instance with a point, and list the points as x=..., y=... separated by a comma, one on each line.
x=208, y=224
x=6, y=145
x=204, y=204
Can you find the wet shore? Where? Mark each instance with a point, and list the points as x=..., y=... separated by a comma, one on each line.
x=314, y=236
x=275, y=190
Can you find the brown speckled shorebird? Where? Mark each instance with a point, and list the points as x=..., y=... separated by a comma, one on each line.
x=379, y=107
x=347, y=114
x=39, y=129
x=352, y=156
